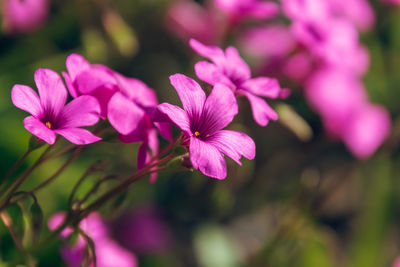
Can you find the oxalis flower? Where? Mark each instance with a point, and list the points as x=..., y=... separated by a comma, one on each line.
x=50, y=115
x=202, y=120
x=230, y=69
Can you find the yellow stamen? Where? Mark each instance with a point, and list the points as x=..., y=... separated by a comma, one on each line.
x=196, y=133
x=48, y=124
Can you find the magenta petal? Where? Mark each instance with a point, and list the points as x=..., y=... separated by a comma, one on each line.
x=176, y=115
x=211, y=74
x=262, y=112
x=190, y=93
x=52, y=91
x=123, y=114
x=164, y=129
x=38, y=129
x=76, y=64
x=262, y=86
x=142, y=156
x=92, y=79
x=78, y=136
x=70, y=85
x=233, y=144
x=264, y=10
x=136, y=90
x=25, y=98
x=235, y=66
x=214, y=53
x=82, y=111
x=207, y=159
x=219, y=109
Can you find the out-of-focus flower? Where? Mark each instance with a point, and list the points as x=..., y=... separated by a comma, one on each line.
x=84, y=78
x=242, y=9
x=143, y=230
x=202, y=120
x=273, y=40
x=24, y=16
x=108, y=252
x=230, y=69
x=395, y=2
x=342, y=102
x=50, y=115
x=187, y=19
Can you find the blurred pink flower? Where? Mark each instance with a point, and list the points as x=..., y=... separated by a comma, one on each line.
x=108, y=252
x=143, y=230
x=50, y=115
x=274, y=40
x=242, y=9
x=230, y=69
x=202, y=121
x=188, y=19
x=342, y=102
x=24, y=16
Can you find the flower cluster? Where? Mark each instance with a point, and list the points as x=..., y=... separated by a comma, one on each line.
x=320, y=50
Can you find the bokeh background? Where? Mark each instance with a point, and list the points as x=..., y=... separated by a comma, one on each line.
x=304, y=201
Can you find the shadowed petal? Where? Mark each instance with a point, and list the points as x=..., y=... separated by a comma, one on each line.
x=262, y=86
x=76, y=64
x=233, y=144
x=235, y=66
x=52, y=91
x=207, y=159
x=219, y=110
x=214, y=53
x=82, y=111
x=78, y=136
x=25, y=98
x=123, y=114
x=91, y=79
x=70, y=85
x=211, y=74
x=262, y=112
x=174, y=114
x=38, y=129
x=136, y=90
x=164, y=130
x=190, y=93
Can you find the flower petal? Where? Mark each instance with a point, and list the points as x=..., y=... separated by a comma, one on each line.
x=235, y=66
x=214, y=53
x=173, y=114
x=219, y=110
x=25, y=98
x=207, y=159
x=78, y=136
x=233, y=144
x=76, y=64
x=262, y=112
x=211, y=74
x=123, y=114
x=190, y=93
x=70, y=85
x=52, y=91
x=38, y=129
x=262, y=86
x=82, y=111
x=92, y=79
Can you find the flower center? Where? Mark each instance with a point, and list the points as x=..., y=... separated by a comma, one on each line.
x=48, y=124
x=198, y=135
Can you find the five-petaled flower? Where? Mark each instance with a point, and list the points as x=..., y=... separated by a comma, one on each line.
x=230, y=69
x=202, y=120
x=50, y=115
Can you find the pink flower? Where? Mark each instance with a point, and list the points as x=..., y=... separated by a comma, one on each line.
x=202, y=120
x=24, y=16
x=187, y=19
x=84, y=78
x=50, y=115
x=241, y=9
x=108, y=252
x=230, y=69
